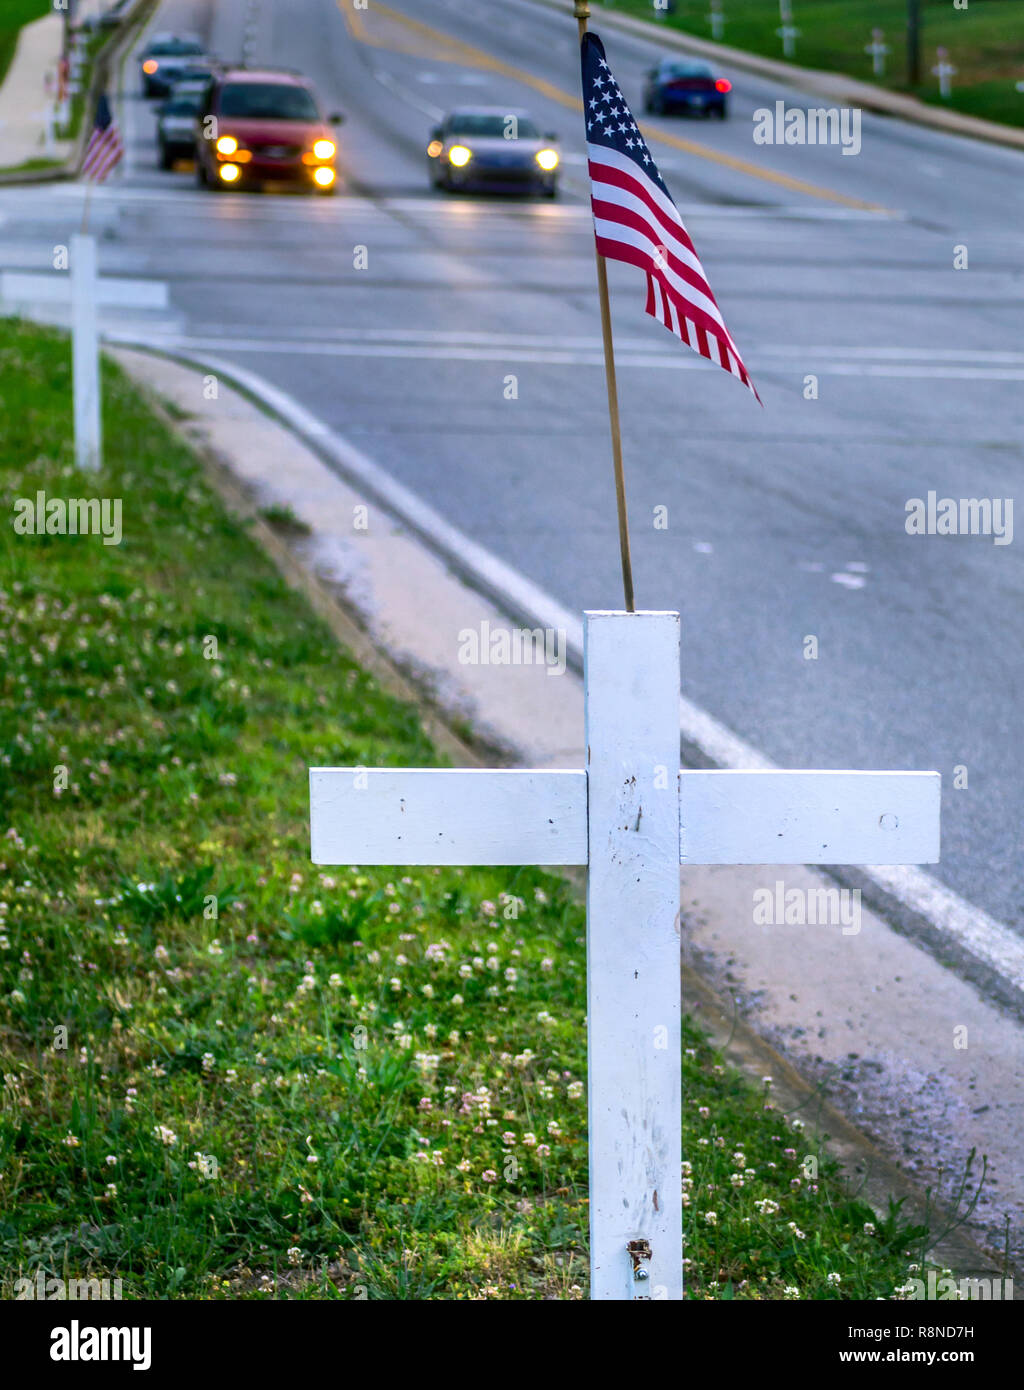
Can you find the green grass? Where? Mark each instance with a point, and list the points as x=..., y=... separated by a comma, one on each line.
x=232, y=1014
x=985, y=42
x=13, y=18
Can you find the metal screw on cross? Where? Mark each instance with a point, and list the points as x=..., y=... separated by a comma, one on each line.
x=878, y=50
x=632, y=817
x=944, y=71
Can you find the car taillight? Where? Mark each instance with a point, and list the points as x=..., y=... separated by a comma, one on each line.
x=723, y=85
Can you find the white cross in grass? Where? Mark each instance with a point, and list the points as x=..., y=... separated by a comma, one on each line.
x=879, y=50
x=84, y=290
x=632, y=818
x=944, y=71
x=789, y=35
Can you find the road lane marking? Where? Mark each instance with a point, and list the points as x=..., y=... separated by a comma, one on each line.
x=466, y=55
x=568, y=357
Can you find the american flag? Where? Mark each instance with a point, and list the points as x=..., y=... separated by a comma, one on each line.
x=104, y=149
x=636, y=221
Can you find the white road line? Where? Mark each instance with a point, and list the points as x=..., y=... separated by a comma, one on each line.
x=979, y=935
x=680, y=362
x=385, y=79
x=343, y=205
x=591, y=341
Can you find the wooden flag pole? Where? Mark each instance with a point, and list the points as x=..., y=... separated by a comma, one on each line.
x=581, y=10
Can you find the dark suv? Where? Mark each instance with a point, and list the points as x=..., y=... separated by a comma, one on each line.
x=263, y=126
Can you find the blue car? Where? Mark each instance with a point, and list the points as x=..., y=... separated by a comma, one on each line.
x=682, y=84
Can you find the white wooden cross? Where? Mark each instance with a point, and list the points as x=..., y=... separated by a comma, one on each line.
x=85, y=290
x=879, y=50
x=944, y=71
x=717, y=19
x=632, y=817
x=789, y=35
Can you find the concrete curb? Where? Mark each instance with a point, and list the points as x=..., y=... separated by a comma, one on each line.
x=835, y=86
x=867, y=1169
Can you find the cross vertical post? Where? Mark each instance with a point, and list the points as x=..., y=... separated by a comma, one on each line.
x=631, y=665
x=85, y=355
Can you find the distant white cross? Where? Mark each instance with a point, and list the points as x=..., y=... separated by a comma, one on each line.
x=717, y=19
x=84, y=290
x=789, y=35
x=944, y=71
x=878, y=50
x=632, y=817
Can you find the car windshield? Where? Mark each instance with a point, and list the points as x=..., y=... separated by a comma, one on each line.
x=183, y=106
x=685, y=70
x=272, y=101
x=175, y=48
x=496, y=126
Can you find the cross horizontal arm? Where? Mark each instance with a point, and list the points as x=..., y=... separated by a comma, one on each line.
x=769, y=817
x=24, y=287
x=442, y=816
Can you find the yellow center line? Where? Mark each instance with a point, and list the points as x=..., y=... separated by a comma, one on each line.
x=449, y=50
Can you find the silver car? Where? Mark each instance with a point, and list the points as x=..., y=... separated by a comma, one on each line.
x=493, y=149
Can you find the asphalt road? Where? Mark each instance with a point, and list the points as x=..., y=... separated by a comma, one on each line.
x=781, y=523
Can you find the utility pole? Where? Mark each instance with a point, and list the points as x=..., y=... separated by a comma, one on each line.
x=914, y=43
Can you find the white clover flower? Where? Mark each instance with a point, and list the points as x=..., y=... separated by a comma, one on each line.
x=834, y=1279
x=711, y=1218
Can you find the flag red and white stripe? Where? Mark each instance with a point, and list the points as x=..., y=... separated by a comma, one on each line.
x=104, y=149
x=636, y=221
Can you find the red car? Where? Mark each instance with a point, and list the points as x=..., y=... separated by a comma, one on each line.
x=264, y=126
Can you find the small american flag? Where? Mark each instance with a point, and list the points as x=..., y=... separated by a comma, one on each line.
x=636, y=221
x=104, y=149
